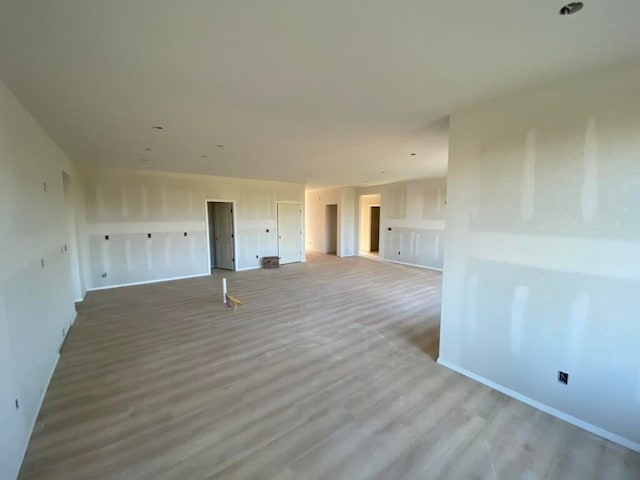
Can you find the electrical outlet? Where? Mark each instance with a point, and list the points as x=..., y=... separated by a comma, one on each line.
x=563, y=377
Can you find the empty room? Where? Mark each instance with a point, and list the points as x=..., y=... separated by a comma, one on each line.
x=319, y=240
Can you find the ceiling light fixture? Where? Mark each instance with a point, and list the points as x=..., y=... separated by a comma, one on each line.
x=220, y=146
x=158, y=127
x=571, y=8
x=412, y=154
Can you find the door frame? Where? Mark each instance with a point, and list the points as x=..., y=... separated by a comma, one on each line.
x=337, y=252
x=207, y=201
x=278, y=202
x=379, y=226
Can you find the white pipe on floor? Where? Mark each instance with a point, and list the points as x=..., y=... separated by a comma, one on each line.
x=224, y=290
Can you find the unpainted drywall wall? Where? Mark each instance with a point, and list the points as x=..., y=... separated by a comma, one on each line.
x=37, y=291
x=146, y=226
x=411, y=221
x=542, y=262
x=315, y=220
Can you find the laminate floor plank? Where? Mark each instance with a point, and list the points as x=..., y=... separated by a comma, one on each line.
x=327, y=372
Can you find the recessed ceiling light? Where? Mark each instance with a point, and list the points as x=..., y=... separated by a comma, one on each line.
x=412, y=154
x=158, y=127
x=571, y=8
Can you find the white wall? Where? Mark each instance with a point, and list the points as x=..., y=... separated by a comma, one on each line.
x=411, y=221
x=315, y=221
x=542, y=263
x=36, y=288
x=128, y=205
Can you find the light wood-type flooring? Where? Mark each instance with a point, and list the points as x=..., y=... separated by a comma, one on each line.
x=327, y=372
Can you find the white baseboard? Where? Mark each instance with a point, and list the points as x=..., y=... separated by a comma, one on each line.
x=35, y=417
x=413, y=265
x=146, y=282
x=625, y=442
x=245, y=269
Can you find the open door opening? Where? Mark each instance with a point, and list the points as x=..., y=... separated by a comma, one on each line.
x=374, y=233
x=370, y=223
x=331, y=228
x=221, y=236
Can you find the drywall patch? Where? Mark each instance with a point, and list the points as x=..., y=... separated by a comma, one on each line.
x=471, y=307
x=527, y=201
x=589, y=194
x=579, y=313
x=518, y=309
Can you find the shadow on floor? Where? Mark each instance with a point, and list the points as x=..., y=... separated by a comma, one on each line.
x=426, y=339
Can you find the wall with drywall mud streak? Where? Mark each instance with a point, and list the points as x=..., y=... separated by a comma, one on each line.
x=36, y=287
x=542, y=263
x=128, y=206
x=411, y=221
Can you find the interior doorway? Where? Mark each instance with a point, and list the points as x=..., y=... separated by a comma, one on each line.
x=374, y=231
x=221, y=235
x=370, y=240
x=331, y=229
